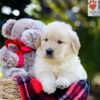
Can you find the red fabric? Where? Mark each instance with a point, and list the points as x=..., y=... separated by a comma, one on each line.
x=37, y=87
x=28, y=87
x=21, y=50
x=22, y=92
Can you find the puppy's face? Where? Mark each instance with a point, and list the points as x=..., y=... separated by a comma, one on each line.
x=57, y=42
x=54, y=45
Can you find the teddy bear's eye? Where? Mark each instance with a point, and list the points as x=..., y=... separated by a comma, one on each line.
x=60, y=42
x=46, y=39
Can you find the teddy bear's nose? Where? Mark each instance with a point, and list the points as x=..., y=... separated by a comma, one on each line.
x=49, y=51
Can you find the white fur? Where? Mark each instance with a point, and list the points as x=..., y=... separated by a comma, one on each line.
x=65, y=67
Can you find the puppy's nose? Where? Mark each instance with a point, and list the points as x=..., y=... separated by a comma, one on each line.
x=49, y=51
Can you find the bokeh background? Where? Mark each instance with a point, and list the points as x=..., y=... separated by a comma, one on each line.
x=70, y=11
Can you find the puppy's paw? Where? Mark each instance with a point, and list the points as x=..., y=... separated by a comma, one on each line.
x=49, y=89
x=62, y=83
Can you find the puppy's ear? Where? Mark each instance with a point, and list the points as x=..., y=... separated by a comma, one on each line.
x=75, y=43
x=38, y=42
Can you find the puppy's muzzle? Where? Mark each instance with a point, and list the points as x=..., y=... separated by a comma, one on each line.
x=49, y=52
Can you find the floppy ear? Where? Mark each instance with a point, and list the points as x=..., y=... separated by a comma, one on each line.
x=75, y=43
x=7, y=27
x=38, y=42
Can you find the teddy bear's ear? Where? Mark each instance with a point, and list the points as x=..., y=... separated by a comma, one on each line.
x=7, y=27
x=38, y=42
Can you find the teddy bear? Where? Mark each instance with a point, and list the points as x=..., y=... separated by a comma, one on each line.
x=21, y=44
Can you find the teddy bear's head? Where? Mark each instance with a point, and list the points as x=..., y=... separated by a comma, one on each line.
x=27, y=30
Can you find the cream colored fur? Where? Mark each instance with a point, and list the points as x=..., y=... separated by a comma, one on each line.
x=64, y=67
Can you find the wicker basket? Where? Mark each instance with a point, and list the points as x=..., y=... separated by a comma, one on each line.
x=9, y=90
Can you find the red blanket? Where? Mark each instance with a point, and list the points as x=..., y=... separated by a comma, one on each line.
x=31, y=89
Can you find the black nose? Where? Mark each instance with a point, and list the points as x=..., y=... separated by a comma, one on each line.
x=49, y=51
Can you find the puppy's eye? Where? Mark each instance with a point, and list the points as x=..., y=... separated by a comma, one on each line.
x=46, y=39
x=60, y=42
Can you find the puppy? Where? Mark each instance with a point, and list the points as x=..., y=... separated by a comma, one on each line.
x=57, y=64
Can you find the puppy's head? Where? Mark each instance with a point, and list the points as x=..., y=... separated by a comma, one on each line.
x=58, y=41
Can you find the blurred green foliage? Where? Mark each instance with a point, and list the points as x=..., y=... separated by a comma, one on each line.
x=75, y=13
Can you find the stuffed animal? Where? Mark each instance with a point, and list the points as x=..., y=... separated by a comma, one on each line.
x=21, y=44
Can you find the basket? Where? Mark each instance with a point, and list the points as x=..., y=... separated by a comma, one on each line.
x=9, y=90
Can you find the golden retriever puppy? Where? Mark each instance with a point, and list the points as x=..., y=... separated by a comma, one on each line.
x=57, y=64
